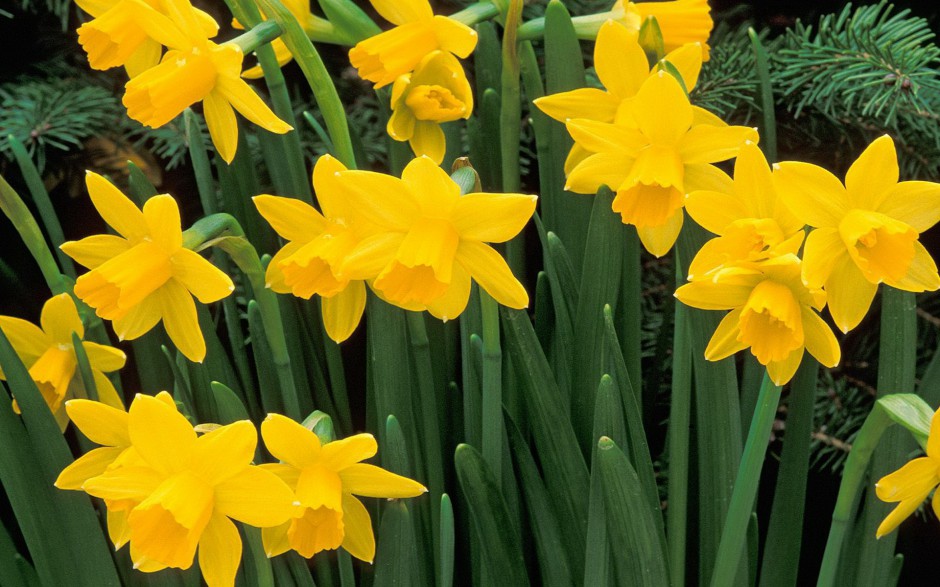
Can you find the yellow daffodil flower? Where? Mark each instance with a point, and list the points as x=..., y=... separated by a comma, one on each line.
x=437, y=92
x=384, y=57
x=622, y=67
x=182, y=490
x=772, y=312
x=325, y=479
x=49, y=355
x=432, y=239
x=132, y=32
x=911, y=484
x=316, y=246
x=866, y=230
x=655, y=160
x=680, y=21
x=751, y=221
x=145, y=275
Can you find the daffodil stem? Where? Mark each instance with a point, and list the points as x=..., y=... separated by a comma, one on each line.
x=224, y=232
x=324, y=91
x=585, y=27
x=769, y=130
x=257, y=36
x=492, y=439
x=853, y=475
x=680, y=416
x=734, y=534
x=421, y=351
x=475, y=13
x=15, y=209
x=510, y=124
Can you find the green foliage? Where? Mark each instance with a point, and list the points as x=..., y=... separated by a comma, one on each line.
x=58, y=8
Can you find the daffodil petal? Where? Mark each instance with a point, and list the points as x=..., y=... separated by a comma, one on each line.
x=916, y=203
x=662, y=109
x=589, y=103
x=181, y=320
x=434, y=190
x=704, y=176
x=223, y=127
x=220, y=552
x=659, y=239
x=27, y=339
x=819, y=339
x=330, y=194
x=812, y=194
x=708, y=295
x=274, y=275
x=489, y=269
x=849, y=294
x=933, y=439
x=94, y=250
x=59, y=319
x=133, y=483
x=898, y=515
x=102, y=424
x=371, y=481
x=159, y=433
x=599, y=137
x=710, y=144
x=402, y=122
x=619, y=60
x=403, y=11
x=371, y=255
x=823, y=251
x=292, y=219
x=342, y=312
x=244, y=99
x=454, y=301
x=200, y=277
x=115, y=208
x=256, y=497
x=358, y=538
x=90, y=464
x=921, y=274
x=454, y=37
x=754, y=182
x=598, y=169
x=780, y=372
x=118, y=530
x=339, y=454
x=724, y=341
x=492, y=218
x=163, y=221
x=382, y=199
x=914, y=479
x=714, y=211
x=428, y=140
x=873, y=174
x=688, y=60
x=139, y=319
x=107, y=394
x=225, y=450
x=290, y=442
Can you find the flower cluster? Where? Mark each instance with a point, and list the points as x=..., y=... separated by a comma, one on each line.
x=416, y=241
x=418, y=57
x=144, y=275
x=133, y=33
x=171, y=493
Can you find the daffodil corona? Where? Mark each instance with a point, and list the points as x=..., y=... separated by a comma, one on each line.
x=325, y=479
x=772, y=313
x=145, y=275
x=49, y=354
x=866, y=231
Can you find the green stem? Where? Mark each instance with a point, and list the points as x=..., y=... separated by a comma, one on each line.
x=734, y=534
x=586, y=27
x=492, y=441
x=680, y=417
x=475, y=13
x=257, y=36
x=769, y=131
x=510, y=125
x=15, y=209
x=324, y=91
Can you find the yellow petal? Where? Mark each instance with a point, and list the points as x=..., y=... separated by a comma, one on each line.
x=339, y=454
x=489, y=269
x=619, y=60
x=754, y=184
x=281, y=53
x=434, y=190
x=711, y=295
x=780, y=372
x=292, y=219
x=342, y=312
x=371, y=256
x=243, y=99
x=428, y=140
x=688, y=60
x=220, y=552
x=454, y=37
x=899, y=514
x=576, y=155
x=90, y=464
x=275, y=540
x=681, y=21
x=358, y=538
x=819, y=339
x=256, y=497
x=401, y=124
x=662, y=109
x=115, y=208
x=599, y=169
x=274, y=275
x=319, y=487
x=382, y=199
x=330, y=190
x=290, y=442
x=873, y=174
x=118, y=530
x=94, y=250
x=146, y=56
x=181, y=320
x=454, y=301
x=160, y=434
x=371, y=481
x=107, y=394
x=714, y=211
x=203, y=279
x=921, y=274
x=492, y=218
x=59, y=319
x=599, y=137
x=139, y=319
x=225, y=451
x=659, y=239
x=849, y=294
x=401, y=11
x=223, y=128
x=26, y=338
x=102, y=424
x=589, y=103
x=133, y=483
x=726, y=339
x=916, y=203
x=824, y=249
x=163, y=222
x=916, y=478
x=703, y=176
x=812, y=194
x=710, y=144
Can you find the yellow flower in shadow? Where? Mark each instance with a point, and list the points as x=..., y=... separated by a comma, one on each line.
x=145, y=275
x=325, y=479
